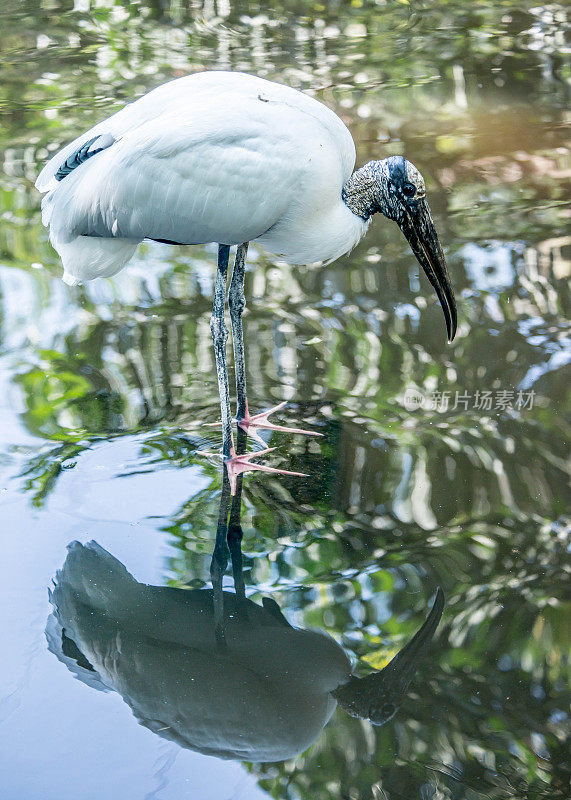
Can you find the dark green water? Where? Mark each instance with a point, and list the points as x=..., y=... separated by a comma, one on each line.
x=440, y=465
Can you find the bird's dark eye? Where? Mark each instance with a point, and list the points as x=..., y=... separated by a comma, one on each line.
x=409, y=190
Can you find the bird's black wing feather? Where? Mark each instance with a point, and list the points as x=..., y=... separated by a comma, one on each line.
x=87, y=150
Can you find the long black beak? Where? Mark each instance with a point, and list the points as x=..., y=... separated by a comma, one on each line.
x=418, y=227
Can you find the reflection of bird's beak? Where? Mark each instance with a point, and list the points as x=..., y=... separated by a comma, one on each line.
x=402, y=669
x=377, y=696
x=418, y=227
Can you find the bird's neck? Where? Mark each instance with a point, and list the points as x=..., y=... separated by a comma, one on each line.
x=360, y=193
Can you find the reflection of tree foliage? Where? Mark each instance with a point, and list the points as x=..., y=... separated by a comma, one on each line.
x=69, y=387
x=399, y=502
x=42, y=471
x=453, y=740
x=160, y=370
x=488, y=718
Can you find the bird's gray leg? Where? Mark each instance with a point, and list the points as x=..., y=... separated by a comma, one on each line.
x=219, y=562
x=235, y=532
x=219, y=337
x=237, y=303
x=235, y=535
x=236, y=464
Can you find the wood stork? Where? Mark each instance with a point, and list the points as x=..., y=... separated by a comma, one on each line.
x=263, y=694
x=230, y=158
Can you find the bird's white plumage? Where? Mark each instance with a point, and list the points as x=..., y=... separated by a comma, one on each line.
x=265, y=696
x=211, y=157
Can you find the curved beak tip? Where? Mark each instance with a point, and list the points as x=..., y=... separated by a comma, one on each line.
x=419, y=230
x=452, y=328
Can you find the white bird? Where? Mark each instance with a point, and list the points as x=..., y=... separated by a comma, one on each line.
x=264, y=694
x=229, y=158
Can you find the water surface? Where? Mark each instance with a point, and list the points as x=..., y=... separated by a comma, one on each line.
x=439, y=466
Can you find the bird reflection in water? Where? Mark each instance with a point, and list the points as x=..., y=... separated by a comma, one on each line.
x=211, y=669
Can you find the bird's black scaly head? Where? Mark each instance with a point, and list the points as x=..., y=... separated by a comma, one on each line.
x=399, y=187
x=378, y=696
x=396, y=188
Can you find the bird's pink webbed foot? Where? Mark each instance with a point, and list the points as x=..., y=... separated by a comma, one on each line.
x=238, y=464
x=250, y=422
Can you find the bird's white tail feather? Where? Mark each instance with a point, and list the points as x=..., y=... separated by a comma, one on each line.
x=88, y=257
x=96, y=579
